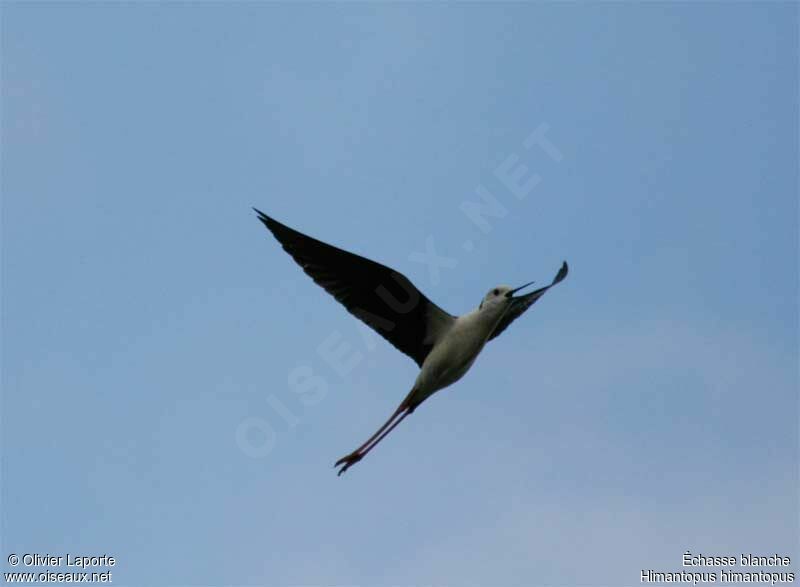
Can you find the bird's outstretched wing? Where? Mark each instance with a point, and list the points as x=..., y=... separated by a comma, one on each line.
x=522, y=303
x=383, y=298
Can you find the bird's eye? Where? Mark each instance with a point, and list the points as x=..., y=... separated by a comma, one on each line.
x=496, y=291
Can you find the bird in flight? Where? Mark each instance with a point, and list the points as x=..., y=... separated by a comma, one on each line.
x=444, y=346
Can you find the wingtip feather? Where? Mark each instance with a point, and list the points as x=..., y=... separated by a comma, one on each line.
x=261, y=216
x=562, y=273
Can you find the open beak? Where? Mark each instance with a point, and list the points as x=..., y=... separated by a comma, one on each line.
x=513, y=291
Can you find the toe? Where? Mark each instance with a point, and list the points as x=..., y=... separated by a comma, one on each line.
x=348, y=462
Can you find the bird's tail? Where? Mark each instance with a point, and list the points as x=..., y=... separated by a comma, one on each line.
x=413, y=399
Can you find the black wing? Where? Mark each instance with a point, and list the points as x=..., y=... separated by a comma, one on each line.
x=383, y=298
x=522, y=303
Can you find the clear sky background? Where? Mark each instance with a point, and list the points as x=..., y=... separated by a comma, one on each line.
x=646, y=406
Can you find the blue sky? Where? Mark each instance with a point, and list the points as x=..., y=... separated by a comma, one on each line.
x=151, y=327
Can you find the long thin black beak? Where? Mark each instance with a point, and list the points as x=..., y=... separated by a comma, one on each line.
x=513, y=291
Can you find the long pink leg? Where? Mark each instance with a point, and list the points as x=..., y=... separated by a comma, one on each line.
x=385, y=434
x=374, y=436
x=358, y=454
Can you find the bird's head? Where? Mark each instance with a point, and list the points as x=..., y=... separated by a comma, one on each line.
x=500, y=296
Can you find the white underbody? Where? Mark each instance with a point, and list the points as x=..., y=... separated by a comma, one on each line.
x=455, y=350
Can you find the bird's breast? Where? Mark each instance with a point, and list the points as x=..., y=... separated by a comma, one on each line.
x=455, y=353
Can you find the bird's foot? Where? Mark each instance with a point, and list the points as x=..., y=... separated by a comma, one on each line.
x=348, y=461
